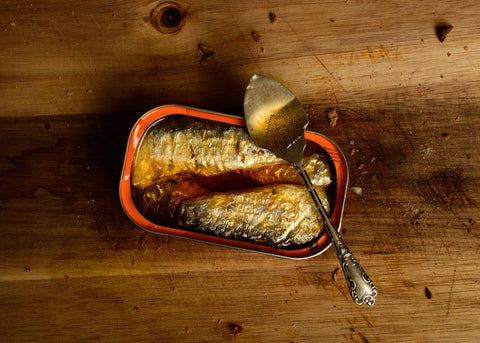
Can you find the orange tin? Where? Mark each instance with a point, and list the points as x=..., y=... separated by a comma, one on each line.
x=339, y=174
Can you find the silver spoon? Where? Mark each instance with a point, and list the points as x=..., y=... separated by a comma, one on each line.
x=276, y=120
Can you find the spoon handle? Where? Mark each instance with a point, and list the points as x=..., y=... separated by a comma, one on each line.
x=361, y=286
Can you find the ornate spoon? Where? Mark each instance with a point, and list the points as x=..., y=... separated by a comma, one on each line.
x=276, y=120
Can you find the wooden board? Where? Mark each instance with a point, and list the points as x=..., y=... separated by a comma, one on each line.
x=91, y=57
x=74, y=268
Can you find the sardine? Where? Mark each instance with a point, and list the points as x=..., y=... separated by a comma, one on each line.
x=196, y=148
x=159, y=203
x=278, y=215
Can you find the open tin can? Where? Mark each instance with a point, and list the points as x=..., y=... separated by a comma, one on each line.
x=339, y=171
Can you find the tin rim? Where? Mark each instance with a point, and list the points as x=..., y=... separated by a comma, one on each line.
x=320, y=245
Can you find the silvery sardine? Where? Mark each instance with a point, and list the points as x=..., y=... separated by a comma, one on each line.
x=277, y=215
x=203, y=149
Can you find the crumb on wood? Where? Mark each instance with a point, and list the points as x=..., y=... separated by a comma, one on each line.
x=27, y=269
x=445, y=136
x=12, y=23
x=235, y=329
x=187, y=329
x=442, y=31
x=428, y=293
x=332, y=117
x=361, y=166
x=256, y=36
x=206, y=52
x=273, y=17
x=335, y=274
x=357, y=190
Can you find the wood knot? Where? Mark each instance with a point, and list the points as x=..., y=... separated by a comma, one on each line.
x=168, y=17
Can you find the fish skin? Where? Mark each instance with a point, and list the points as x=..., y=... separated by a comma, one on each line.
x=205, y=149
x=277, y=215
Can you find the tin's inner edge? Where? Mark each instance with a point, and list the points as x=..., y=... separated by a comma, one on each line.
x=231, y=182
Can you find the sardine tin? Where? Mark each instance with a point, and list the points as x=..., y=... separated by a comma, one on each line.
x=154, y=115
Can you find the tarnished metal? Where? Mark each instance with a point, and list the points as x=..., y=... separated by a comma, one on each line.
x=276, y=120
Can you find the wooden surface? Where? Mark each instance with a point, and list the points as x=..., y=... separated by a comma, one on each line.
x=74, y=77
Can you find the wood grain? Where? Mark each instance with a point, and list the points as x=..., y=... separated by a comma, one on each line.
x=93, y=275
x=90, y=57
x=75, y=76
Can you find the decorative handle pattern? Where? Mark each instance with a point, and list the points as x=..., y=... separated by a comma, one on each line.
x=362, y=288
